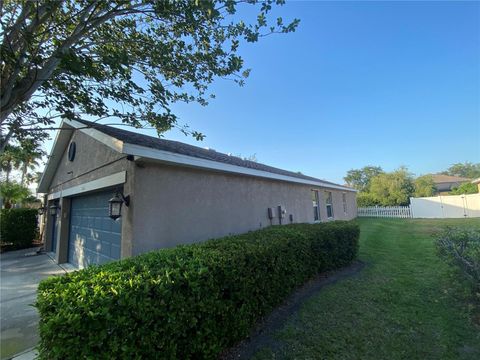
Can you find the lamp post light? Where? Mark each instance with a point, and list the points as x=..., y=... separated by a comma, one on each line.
x=115, y=205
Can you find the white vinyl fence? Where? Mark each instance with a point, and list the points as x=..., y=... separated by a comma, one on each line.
x=448, y=206
x=385, y=211
x=435, y=207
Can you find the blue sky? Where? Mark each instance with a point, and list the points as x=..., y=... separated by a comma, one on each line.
x=359, y=83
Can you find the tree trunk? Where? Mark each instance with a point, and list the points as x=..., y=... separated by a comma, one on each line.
x=4, y=140
x=24, y=173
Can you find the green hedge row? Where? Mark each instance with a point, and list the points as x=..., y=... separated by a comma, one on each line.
x=18, y=227
x=189, y=302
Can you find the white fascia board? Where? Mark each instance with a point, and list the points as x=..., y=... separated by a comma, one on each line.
x=108, y=140
x=61, y=140
x=104, y=182
x=55, y=195
x=169, y=157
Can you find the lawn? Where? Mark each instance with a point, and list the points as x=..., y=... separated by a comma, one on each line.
x=405, y=304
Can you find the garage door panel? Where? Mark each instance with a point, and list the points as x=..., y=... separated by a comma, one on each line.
x=94, y=237
x=104, y=247
x=106, y=224
x=115, y=252
x=116, y=227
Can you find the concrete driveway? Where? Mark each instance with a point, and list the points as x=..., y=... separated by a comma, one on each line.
x=19, y=278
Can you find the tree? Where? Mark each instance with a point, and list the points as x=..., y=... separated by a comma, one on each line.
x=467, y=170
x=28, y=155
x=392, y=189
x=127, y=60
x=9, y=160
x=13, y=193
x=424, y=186
x=365, y=199
x=24, y=157
x=360, y=178
x=465, y=188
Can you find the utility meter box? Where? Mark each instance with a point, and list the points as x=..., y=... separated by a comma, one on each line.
x=281, y=211
x=271, y=213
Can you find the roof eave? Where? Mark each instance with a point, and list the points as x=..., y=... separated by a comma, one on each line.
x=63, y=137
x=59, y=145
x=190, y=161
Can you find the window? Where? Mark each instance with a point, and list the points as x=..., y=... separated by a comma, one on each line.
x=344, y=198
x=329, y=203
x=316, y=212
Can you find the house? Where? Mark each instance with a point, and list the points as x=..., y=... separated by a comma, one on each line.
x=446, y=183
x=163, y=193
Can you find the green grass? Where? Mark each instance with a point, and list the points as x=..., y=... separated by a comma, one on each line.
x=406, y=303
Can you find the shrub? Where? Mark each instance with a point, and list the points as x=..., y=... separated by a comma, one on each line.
x=18, y=227
x=13, y=193
x=461, y=247
x=188, y=302
x=366, y=200
x=465, y=188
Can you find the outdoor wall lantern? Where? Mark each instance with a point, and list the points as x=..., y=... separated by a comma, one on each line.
x=115, y=205
x=53, y=209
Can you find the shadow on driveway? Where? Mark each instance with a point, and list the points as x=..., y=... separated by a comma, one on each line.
x=19, y=278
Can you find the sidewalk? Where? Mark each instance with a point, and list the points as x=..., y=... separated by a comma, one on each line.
x=21, y=272
x=27, y=355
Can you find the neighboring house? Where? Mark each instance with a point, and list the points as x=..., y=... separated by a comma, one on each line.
x=176, y=194
x=446, y=183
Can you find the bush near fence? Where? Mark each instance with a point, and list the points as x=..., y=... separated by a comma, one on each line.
x=18, y=227
x=461, y=247
x=189, y=302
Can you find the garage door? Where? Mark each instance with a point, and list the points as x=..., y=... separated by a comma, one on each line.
x=94, y=237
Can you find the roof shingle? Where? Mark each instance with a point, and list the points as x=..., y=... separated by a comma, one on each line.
x=441, y=178
x=190, y=150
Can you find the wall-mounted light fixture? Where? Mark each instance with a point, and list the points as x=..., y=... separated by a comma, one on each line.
x=115, y=205
x=53, y=209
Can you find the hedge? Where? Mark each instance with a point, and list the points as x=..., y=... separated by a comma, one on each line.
x=18, y=227
x=188, y=302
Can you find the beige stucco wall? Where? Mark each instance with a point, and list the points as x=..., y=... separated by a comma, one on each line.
x=338, y=211
x=178, y=205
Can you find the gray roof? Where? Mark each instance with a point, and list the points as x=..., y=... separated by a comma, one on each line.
x=442, y=178
x=194, y=151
